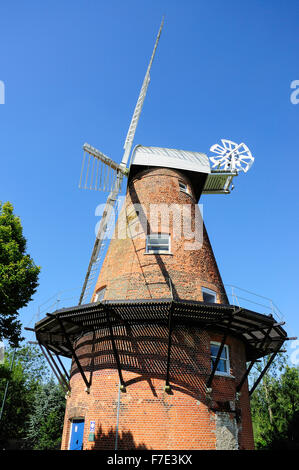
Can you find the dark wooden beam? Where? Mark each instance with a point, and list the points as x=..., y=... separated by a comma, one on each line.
x=66, y=320
x=57, y=368
x=170, y=326
x=255, y=329
x=115, y=352
x=277, y=338
x=264, y=371
x=57, y=374
x=70, y=346
x=239, y=386
x=62, y=366
x=215, y=364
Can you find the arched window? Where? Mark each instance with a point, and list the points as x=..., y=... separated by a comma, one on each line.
x=209, y=296
x=183, y=187
x=100, y=295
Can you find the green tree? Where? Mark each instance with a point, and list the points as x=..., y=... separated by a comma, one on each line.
x=28, y=373
x=18, y=274
x=46, y=420
x=275, y=407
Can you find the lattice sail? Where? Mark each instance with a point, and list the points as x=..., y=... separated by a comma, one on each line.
x=98, y=172
x=96, y=264
x=106, y=225
x=140, y=101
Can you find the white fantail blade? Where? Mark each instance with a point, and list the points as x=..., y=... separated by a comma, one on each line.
x=231, y=156
x=138, y=108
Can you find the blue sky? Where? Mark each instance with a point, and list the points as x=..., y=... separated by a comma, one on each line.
x=72, y=72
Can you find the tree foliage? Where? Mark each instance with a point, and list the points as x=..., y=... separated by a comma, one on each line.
x=28, y=373
x=35, y=404
x=275, y=408
x=46, y=419
x=18, y=274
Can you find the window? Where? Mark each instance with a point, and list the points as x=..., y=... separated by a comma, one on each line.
x=158, y=243
x=132, y=216
x=183, y=187
x=100, y=295
x=209, y=296
x=223, y=367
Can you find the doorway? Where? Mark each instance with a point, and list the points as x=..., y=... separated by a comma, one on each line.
x=77, y=431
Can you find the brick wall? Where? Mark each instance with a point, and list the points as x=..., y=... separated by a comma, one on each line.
x=129, y=273
x=150, y=418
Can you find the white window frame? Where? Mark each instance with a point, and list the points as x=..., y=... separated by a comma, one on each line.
x=211, y=292
x=183, y=189
x=100, y=293
x=227, y=361
x=155, y=252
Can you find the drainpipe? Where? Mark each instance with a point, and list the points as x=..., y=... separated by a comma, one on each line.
x=117, y=417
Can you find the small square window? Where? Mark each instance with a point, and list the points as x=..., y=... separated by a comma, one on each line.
x=158, y=243
x=209, y=296
x=132, y=216
x=100, y=295
x=223, y=367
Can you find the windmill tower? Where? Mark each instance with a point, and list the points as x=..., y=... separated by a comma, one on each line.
x=160, y=358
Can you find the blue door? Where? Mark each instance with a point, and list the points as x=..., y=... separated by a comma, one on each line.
x=77, y=431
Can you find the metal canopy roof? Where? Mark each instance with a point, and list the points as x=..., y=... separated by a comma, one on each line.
x=260, y=333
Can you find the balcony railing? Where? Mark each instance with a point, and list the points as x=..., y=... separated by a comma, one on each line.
x=236, y=296
x=252, y=301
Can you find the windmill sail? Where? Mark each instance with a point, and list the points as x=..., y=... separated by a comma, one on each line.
x=98, y=171
x=90, y=174
x=139, y=104
x=105, y=231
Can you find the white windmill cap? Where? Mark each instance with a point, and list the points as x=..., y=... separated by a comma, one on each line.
x=171, y=158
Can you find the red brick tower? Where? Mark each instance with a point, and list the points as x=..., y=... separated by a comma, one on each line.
x=159, y=356
x=161, y=201
x=156, y=411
